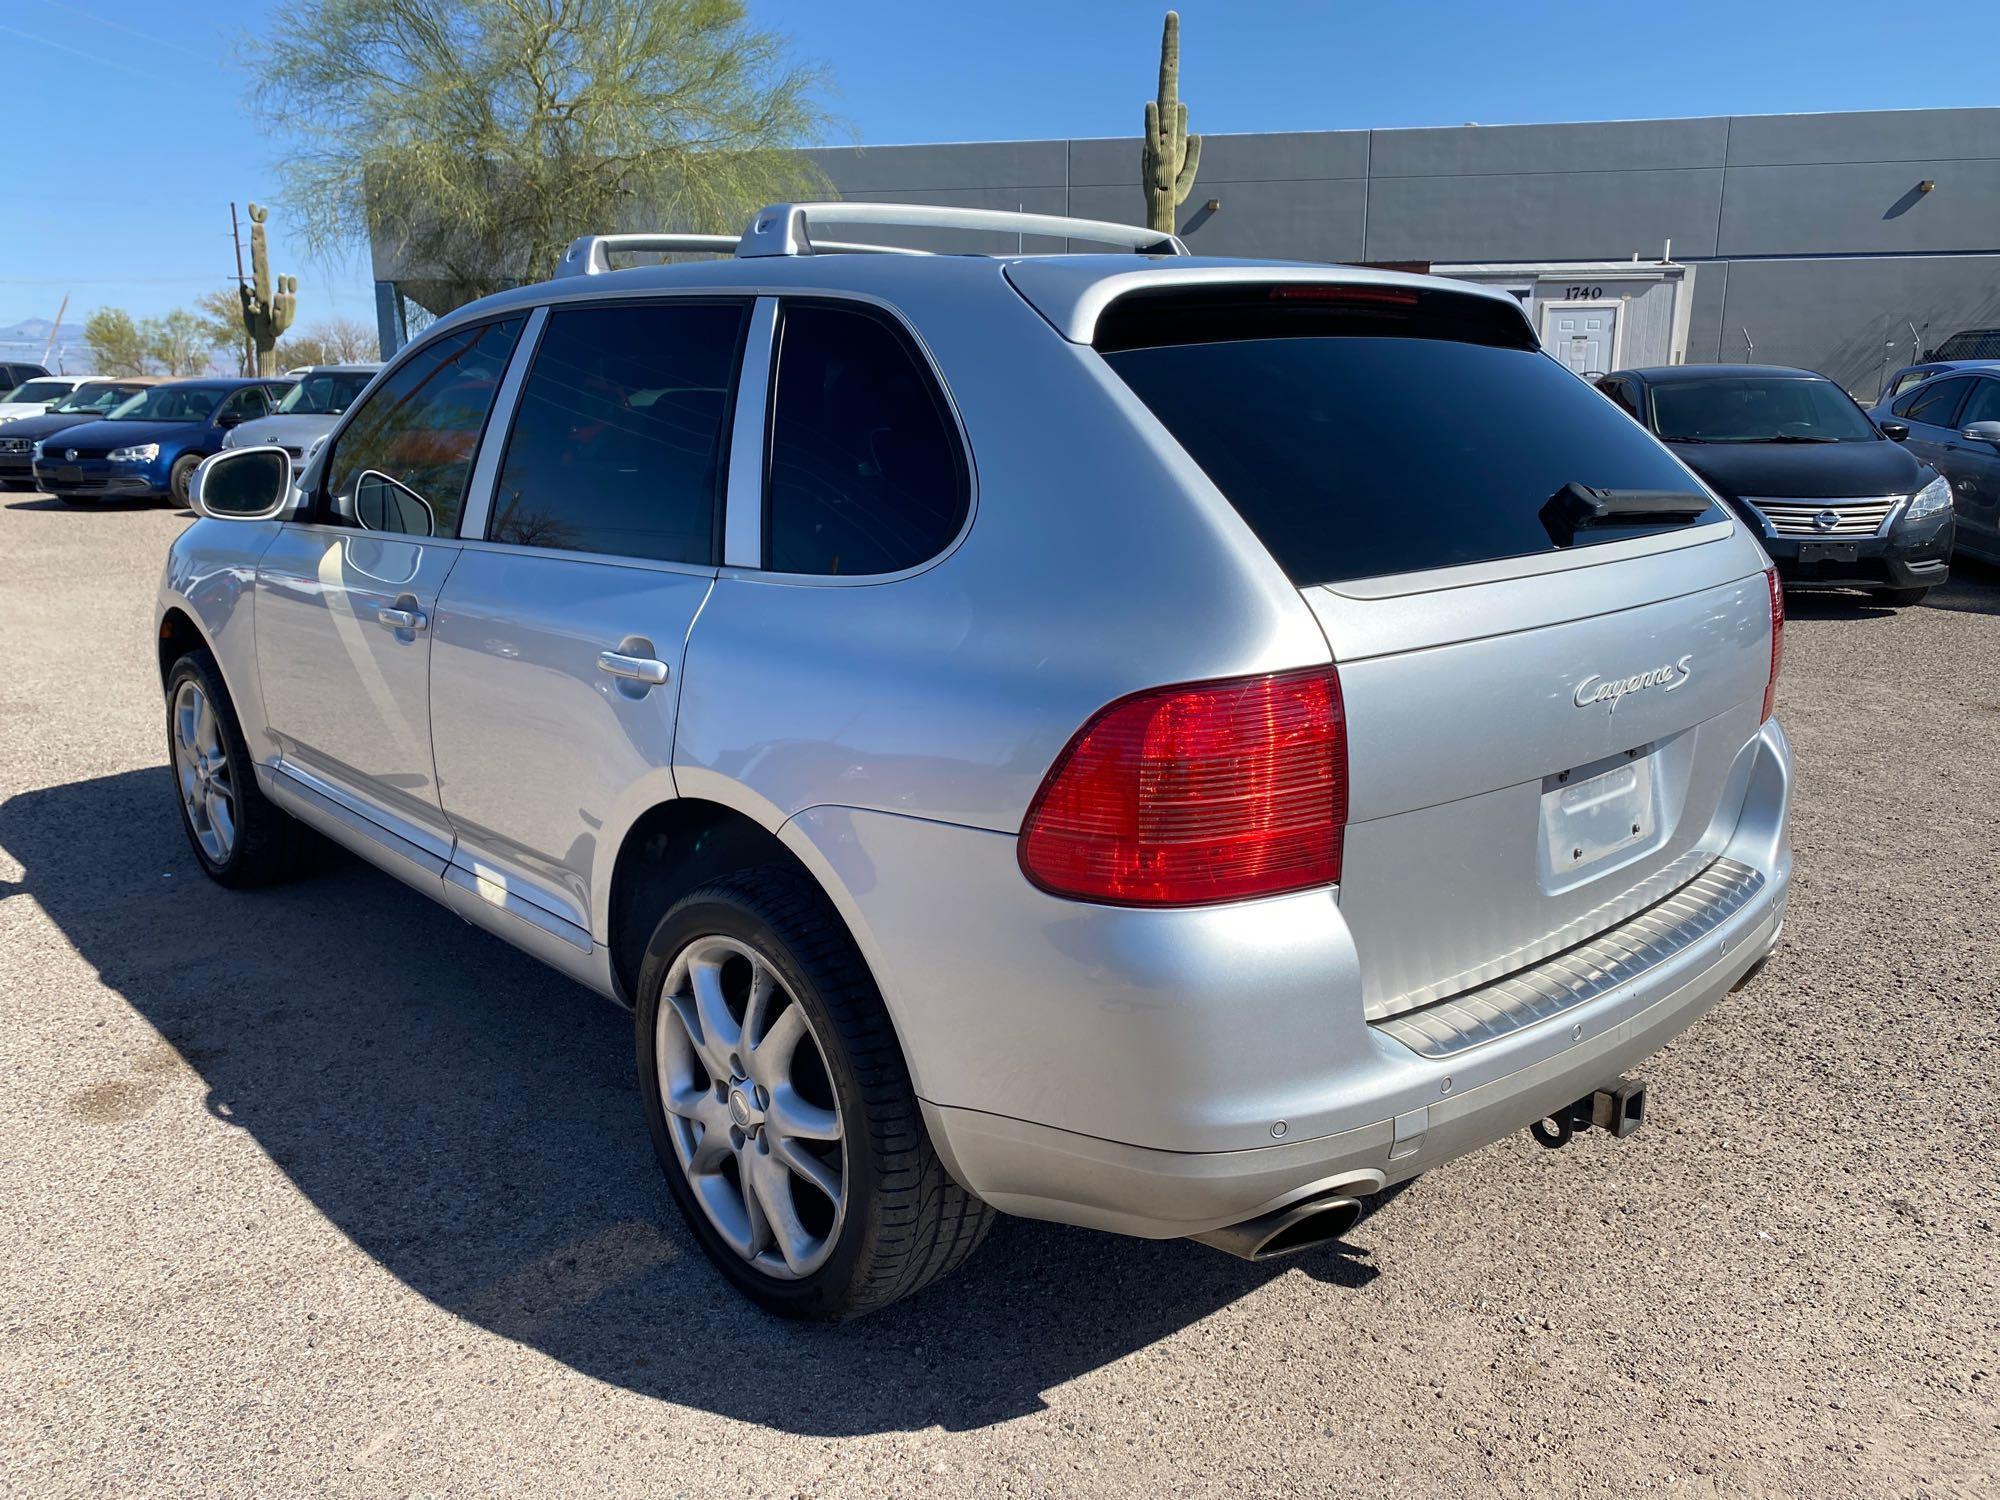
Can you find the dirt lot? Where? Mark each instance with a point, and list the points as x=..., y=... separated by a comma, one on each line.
x=320, y=1191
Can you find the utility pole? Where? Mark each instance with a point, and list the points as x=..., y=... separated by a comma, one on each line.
x=56, y=331
x=248, y=364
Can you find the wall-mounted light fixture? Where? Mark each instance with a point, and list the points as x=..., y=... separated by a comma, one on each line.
x=1927, y=186
x=1214, y=205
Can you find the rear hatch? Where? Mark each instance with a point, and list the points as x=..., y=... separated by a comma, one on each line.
x=1552, y=644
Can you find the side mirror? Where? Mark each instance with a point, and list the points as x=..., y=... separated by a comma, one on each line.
x=242, y=484
x=1983, y=432
x=1895, y=432
x=228, y=419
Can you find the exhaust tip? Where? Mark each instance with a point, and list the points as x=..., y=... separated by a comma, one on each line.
x=1287, y=1231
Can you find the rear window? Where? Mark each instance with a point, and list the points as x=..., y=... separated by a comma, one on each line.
x=1384, y=442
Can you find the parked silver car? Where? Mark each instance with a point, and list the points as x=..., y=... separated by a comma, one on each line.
x=1162, y=744
x=308, y=412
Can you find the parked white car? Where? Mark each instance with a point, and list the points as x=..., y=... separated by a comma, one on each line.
x=33, y=397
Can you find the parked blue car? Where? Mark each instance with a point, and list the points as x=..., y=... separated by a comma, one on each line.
x=151, y=445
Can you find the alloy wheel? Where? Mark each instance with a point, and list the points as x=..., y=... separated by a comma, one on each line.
x=201, y=763
x=751, y=1108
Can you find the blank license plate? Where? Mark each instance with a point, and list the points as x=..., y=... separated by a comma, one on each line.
x=1811, y=552
x=1596, y=812
x=69, y=476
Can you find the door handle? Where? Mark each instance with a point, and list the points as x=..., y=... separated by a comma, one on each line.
x=646, y=669
x=402, y=619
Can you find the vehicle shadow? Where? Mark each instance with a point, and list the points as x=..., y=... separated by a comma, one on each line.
x=468, y=1118
x=1974, y=589
x=109, y=506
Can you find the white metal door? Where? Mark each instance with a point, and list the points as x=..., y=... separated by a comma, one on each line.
x=1583, y=337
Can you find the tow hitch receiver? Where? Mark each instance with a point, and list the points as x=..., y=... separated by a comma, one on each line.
x=1620, y=1109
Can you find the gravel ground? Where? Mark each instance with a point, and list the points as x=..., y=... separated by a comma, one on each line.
x=321, y=1191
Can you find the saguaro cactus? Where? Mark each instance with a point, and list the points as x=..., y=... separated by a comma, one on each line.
x=267, y=313
x=1169, y=155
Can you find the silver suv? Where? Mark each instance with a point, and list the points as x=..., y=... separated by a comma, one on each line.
x=1161, y=744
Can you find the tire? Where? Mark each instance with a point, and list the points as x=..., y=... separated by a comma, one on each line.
x=240, y=838
x=1899, y=598
x=181, y=477
x=898, y=1221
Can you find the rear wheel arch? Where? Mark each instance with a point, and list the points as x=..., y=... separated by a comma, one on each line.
x=672, y=849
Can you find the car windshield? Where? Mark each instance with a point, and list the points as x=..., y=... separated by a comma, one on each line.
x=171, y=403
x=324, y=395
x=40, y=392
x=94, y=397
x=1758, y=409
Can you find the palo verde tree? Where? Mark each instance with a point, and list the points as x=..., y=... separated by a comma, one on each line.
x=482, y=136
x=117, y=345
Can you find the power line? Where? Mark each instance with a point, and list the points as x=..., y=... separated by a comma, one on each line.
x=102, y=62
x=146, y=36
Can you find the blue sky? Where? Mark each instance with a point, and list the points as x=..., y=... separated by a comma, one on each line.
x=122, y=198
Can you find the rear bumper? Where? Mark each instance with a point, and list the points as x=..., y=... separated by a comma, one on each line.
x=1909, y=556
x=1166, y=1073
x=1042, y=1173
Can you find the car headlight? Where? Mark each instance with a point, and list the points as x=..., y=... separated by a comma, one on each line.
x=138, y=453
x=1930, y=500
x=229, y=438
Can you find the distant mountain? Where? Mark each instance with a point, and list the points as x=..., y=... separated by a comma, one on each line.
x=36, y=331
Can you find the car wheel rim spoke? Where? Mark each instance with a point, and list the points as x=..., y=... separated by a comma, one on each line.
x=750, y=1108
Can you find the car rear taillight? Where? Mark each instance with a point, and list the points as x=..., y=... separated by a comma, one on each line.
x=1777, y=638
x=1213, y=791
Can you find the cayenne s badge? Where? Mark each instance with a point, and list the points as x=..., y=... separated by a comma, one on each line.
x=1596, y=689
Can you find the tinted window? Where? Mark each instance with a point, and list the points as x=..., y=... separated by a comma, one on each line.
x=93, y=397
x=618, y=443
x=171, y=403
x=1621, y=395
x=325, y=394
x=406, y=456
x=245, y=404
x=1358, y=455
x=865, y=475
x=1984, y=405
x=44, y=391
x=1908, y=379
x=1933, y=403
x=1758, y=409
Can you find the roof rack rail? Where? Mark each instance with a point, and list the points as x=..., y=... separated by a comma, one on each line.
x=785, y=228
x=590, y=254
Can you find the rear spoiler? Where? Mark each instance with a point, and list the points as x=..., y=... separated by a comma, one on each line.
x=1074, y=292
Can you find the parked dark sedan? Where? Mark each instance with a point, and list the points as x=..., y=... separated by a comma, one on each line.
x=153, y=443
x=1954, y=425
x=1838, y=502
x=87, y=403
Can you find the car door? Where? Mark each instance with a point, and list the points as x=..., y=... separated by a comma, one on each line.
x=560, y=633
x=1973, y=467
x=1928, y=411
x=242, y=406
x=346, y=593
